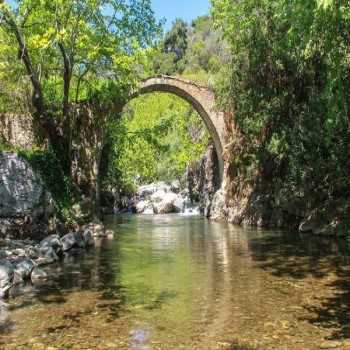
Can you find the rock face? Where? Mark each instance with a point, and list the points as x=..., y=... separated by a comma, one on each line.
x=17, y=130
x=217, y=206
x=24, y=199
x=203, y=181
x=21, y=190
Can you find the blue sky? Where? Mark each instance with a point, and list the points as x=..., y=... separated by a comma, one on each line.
x=185, y=9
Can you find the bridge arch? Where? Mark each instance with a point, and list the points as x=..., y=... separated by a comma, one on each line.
x=201, y=98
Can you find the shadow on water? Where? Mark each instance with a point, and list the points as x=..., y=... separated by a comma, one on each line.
x=92, y=272
x=334, y=312
x=238, y=346
x=303, y=257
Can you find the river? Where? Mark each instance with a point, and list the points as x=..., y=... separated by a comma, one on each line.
x=177, y=282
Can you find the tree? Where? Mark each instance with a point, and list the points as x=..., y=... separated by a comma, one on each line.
x=157, y=137
x=288, y=83
x=170, y=54
x=75, y=51
x=175, y=40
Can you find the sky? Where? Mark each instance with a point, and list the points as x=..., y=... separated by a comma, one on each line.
x=185, y=9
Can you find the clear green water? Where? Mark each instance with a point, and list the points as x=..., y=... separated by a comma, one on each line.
x=174, y=282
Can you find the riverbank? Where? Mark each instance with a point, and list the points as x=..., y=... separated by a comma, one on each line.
x=22, y=261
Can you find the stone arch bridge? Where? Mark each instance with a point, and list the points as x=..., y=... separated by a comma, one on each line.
x=201, y=98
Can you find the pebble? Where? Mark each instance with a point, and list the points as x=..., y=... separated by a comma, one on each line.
x=346, y=344
x=331, y=345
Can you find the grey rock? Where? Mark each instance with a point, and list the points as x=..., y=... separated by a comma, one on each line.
x=73, y=240
x=96, y=228
x=21, y=190
x=88, y=238
x=38, y=275
x=217, y=207
x=148, y=190
x=79, y=239
x=54, y=242
x=48, y=255
x=6, y=277
x=32, y=252
x=144, y=206
x=179, y=204
x=23, y=270
x=19, y=252
x=68, y=242
x=4, y=314
x=175, y=186
x=163, y=202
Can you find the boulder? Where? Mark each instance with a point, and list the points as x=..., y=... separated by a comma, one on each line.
x=160, y=198
x=144, y=207
x=6, y=277
x=97, y=229
x=79, y=240
x=175, y=186
x=68, y=242
x=179, y=204
x=163, y=202
x=72, y=240
x=21, y=190
x=148, y=190
x=52, y=241
x=109, y=234
x=32, y=252
x=23, y=270
x=164, y=208
x=88, y=238
x=38, y=275
x=47, y=255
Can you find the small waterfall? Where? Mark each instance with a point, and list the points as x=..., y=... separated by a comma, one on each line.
x=190, y=209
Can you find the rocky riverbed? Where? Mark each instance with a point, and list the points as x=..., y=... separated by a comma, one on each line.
x=22, y=261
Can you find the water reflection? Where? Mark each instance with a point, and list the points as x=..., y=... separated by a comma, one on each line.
x=172, y=282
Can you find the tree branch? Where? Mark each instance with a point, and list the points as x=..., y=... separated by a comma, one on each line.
x=37, y=98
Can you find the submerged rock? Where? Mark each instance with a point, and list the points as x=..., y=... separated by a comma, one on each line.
x=38, y=275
